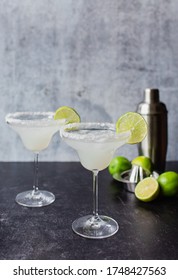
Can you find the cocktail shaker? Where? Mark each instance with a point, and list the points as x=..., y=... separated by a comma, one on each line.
x=155, y=143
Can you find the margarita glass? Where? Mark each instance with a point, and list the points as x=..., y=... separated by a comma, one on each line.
x=35, y=130
x=95, y=144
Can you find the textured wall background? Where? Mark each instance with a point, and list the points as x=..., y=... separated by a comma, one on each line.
x=94, y=55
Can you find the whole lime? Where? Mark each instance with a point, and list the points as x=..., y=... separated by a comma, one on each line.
x=118, y=165
x=168, y=182
x=144, y=162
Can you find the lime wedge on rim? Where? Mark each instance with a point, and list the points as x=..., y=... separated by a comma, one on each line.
x=147, y=189
x=135, y=123
x=68, y=114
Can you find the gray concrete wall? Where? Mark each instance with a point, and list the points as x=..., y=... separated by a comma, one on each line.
x=94, y=55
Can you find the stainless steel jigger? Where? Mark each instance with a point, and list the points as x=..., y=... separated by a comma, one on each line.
x=131, y=177
x=136, y=174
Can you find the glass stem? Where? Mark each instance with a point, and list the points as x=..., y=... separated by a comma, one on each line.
x=35, y=183
x=95, y=192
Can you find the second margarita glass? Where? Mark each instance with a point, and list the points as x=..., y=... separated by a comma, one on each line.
x=35, y=130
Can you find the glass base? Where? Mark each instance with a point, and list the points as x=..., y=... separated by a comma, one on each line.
x=35, y=199
x=95, y=227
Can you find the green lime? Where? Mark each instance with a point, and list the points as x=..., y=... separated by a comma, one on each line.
x=144, y=162
x=134, y=123
x=147, y=189
x=168, y=182
x=118, y=165
x=68, y=114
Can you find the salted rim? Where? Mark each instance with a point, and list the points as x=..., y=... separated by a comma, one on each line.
x=69, y=131
x=48, y=120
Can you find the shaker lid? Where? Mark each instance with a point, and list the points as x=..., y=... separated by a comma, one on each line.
x=151, y=95
x=151, y=104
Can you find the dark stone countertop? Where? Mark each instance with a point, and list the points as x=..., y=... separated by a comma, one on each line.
x=147, y=230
